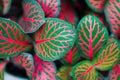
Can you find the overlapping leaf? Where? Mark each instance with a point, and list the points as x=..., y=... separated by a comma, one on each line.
x=96, y=5
x=92, y=35
x=33, y=17
x=51, y=7
x=43, y=70
x=26, y=61
x=112, y=11
x=115, y=73
x=6, y=5
x=84, y=71
x=71, y=57
x=108, y=56
x=12, y=39
x=67, y=13
x=54, y=39
x=2, y=69
x=64, y=73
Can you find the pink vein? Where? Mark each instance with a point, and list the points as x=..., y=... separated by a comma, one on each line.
x=44, y=40
x=91, y=49
x=15, y=41
x=86, y=72
x=28, y=19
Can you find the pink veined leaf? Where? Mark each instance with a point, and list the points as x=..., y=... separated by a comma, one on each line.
x=92, y=35
x=43, y=70
x=51, y=7
x=12, y=39
x=33, y=17
x=6, y=6
x=115, y=73
x=96, y=5
x=25, y=60
x=54, y=39
x=67, y=13
x=71, y=57
x=2, y=69
x=112, y=13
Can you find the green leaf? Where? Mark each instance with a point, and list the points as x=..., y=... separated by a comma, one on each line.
x=92, y=35
x=64, y=73
x=84, y=71
x=25, y=60
x=33, y=16
x=12, y=39
x=54, y=39
x=108, y=56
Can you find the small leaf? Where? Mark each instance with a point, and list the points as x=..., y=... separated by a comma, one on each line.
x=84, y=71
x=33, y=16
x=92, y=35
x=112, y=13
x=6, y=6
x=26, y=61
x=115, y=72
x=96, y=5
x=54, y=39
x=111, y=38
x=12, y=39
x=64, y=73
x=50, y=7
x=43, y=70
x=100, y=77
x=108, y=56
x=67, y=13
x=71, y=57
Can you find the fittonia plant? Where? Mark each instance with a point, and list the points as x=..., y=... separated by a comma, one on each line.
x=45, y=39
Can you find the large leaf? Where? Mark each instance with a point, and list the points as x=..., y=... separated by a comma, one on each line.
x=84, y=71
x=12, y=39
x=64, y=73
x=71, y=57
x=92, y=35
x=112, y=13
x=67, y=13
x=43, y=70
x=50, y=7
x=2, y=69
x=54, y=39
x=115, y=72
x=33, y=16
x=107, y=56
x=6, y=6
x=96, y=5
x=26, y=61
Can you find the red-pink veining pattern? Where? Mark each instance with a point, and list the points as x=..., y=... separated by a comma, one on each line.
x=113, y=16
x=43, y=70
x=50, y=7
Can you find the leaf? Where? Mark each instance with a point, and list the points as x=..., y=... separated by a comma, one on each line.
x=92, y=35
x=84, y=71
x=51, y=7
x=43, y=70
x=100, y=77
x=112, y=13
x=6, y=6
x=33, y=17
x=96, y=5
x=115, y=72
x=2, y=69
x=12, y=39
x=68, y=14
x=64, y=73
x=54, y=39
x=26, y=61
x=71, y=57
x=108, y=56
x=111, y=38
